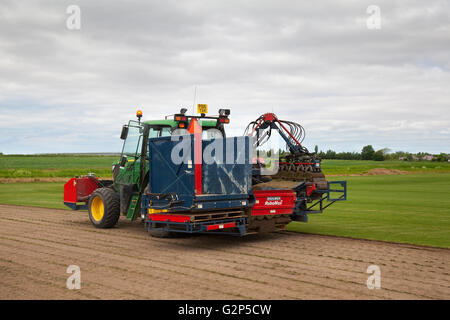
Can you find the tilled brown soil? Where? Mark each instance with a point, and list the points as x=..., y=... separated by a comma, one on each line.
x=37, y=245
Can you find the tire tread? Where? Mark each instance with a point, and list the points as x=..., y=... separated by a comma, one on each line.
x=111, y=204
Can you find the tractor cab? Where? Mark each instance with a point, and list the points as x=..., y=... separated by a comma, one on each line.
x=135, y=132
x=130, y=172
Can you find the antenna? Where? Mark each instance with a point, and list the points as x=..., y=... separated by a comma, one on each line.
x=195, y=97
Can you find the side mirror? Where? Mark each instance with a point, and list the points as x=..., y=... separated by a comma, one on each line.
x=124, y=133
x=123, y=161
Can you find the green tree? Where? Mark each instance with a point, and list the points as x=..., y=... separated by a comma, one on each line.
x=330, y=154
x=442, y=157
x=316, y=149
x=379, y=156
x=367, y=153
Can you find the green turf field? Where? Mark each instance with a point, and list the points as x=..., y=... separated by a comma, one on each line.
x=399, y=208
x=37, y=194
x=71, y=165
x=55, y=166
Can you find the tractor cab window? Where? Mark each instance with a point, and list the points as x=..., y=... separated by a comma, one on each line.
x=207, y=133
x=211, y=133
x=133, y=142
x=160, y=131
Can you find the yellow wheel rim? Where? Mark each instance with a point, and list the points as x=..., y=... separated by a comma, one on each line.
x=97, y=208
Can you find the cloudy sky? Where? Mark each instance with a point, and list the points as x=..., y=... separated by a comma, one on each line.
x=320, y=63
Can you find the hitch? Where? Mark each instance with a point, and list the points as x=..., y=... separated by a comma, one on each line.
x=301, y=209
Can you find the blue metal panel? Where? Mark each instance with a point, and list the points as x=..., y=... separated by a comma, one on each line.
x=167, y=176
x=226, y=176
x=230, y=170
x=221, y=204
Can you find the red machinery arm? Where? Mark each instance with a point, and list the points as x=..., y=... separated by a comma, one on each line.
x=272, y=121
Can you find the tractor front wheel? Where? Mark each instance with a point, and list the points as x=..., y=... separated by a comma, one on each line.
x=104, y=208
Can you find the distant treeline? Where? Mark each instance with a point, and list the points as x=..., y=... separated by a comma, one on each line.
x=369, y=153
x=102, y=154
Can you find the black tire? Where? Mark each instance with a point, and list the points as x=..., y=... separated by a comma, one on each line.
x=111, y=208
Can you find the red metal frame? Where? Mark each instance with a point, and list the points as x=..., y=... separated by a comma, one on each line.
x=310, y=189
x=270, y=202
x=297, y=162
x=196, y=129
x=221, y=226
x=257, y=126
x=288, y=132
x=184, y=218
x=270, y=117
x=168, y=217
x=79, y=189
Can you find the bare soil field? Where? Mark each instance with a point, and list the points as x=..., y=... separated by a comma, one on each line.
x=376, y=172
x=37, y=245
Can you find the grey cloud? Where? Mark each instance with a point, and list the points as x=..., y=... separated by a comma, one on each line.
x=315, y=63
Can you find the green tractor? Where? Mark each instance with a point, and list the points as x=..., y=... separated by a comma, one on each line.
x=130, y=172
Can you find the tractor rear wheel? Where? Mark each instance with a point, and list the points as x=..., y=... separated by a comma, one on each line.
x=104, y=208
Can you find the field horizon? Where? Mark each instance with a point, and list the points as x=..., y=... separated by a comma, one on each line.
x=47, y=166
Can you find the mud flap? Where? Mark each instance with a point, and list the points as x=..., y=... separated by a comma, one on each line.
x=126, y=191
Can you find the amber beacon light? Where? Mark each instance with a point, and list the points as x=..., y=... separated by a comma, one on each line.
x=139, y=115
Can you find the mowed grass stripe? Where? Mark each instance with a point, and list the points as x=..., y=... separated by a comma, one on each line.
x=55, y=166
x=36, y=194
x=400, y=208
